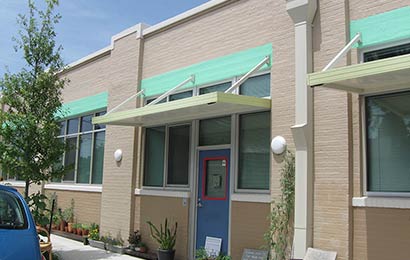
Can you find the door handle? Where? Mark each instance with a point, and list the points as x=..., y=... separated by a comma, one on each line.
x=199, y=203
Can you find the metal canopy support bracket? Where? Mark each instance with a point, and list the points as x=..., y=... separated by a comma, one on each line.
x=126, y=101
x=234, y=86
x=172, y=90
x=357, y=38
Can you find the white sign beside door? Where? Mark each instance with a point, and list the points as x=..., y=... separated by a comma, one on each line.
x=213, y=246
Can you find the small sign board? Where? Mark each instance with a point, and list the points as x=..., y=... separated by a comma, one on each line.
x=213, y=246
x=254, y=254
x=317, y=254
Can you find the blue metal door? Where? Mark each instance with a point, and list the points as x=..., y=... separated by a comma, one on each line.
x=213, y=197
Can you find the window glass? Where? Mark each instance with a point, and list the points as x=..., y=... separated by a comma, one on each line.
x=152, y=99
x=62, y=128
x=215, y=179
x=388, y=143
x=181, y=95
x=387, y=52
x=178, y=154
x=254, y=144
x=154, y=156
x=216, y=88
x=12, y=214
x=215, y=131
x=72, y=126
x=98, y=157
x=98, y=126
x=86, y=124
x=69, y=160
x=258, y=86
x=84, y=159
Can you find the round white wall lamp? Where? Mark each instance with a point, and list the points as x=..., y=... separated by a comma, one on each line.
x=278, y=145
x=118, y=155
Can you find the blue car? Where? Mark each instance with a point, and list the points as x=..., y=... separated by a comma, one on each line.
x=18, y=235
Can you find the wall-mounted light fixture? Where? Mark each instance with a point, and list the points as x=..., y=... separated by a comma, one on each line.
x=278, y=145
x=118, y=155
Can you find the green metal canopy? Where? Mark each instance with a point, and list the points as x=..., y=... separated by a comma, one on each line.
x=366, y=78
x=204, y=106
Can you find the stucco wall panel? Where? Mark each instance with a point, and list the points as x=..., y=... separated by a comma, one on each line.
x=381, y=234
x=249, y=223
x=156, y=209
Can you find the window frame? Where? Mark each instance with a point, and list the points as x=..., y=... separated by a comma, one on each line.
x=365, y=159
x=362, y=52
x=165, y=185
x=238, y=190
x=78, y=136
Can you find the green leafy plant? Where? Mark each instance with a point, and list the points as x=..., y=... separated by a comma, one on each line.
x=135, y=238
x=201, y=254
x=280, y=233
x=38, y=205
x=94, y=234
x=164, y=235
x=108, y=239
x=68, y=213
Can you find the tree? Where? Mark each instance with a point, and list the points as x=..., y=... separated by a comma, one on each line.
x=29, y=149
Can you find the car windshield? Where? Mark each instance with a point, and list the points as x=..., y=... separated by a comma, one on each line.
x=11, y=212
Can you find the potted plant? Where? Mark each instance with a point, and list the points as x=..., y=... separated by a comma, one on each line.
x=134, y=239
x=68, y=216
x=56, y=221
x=80, y=229
x=114, y=244
x=166, y=238
x=86, y=229
x=202, y=254
x=141, y=247
x=94, y=238
x=74, y=228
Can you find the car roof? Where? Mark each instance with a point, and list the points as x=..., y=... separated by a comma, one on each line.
x=7, y=188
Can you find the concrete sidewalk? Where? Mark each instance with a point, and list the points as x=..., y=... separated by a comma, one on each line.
x=68, y=249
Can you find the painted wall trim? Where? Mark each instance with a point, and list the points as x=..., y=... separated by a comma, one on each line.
x=258, y=198
x=185, y=15
x=381, y=28
x=381, y=202
x=74, y=187
x=163, y=193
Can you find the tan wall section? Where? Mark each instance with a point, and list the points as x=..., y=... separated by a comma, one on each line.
x=235, y=27
x=249, y=223
x=156, y=209
x=117, y=209
x=87, y=79
x=87, y=205
x=381, y=234
x=332, y=167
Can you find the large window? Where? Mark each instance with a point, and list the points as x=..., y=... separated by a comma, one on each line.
x=85, y=155
x=388, y=142
x=387, y=52
x=254, y=144
x=166, y=156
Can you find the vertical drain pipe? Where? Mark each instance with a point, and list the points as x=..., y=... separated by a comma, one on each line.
x=302, y=13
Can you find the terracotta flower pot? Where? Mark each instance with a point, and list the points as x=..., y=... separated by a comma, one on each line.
x=74, y=230
x=85, y=232
x=62, y=225
x=80, y=231
x=70, y=227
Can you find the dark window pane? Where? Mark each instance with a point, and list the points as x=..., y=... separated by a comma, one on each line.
x=97, y=126
x=84, y=159
x=254, y=145
x=59, y=164
x=86, y=124
x=388, y=143
x=69, y=160
x=178, y=154
x=62, y=128
x=161, y=101
x=215, y=131
x=98, y=157
x=12, y=214
x=154, y=156
x=387, y=52
x=72, y=126
x=216, y=88
x=181, y=95
x=258, y=86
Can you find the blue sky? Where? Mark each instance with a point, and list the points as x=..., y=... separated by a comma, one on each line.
x=86, y=25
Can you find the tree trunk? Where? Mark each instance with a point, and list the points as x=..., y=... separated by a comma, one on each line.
x=26, y=190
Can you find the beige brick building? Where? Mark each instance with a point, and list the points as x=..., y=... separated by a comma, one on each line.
x=202, y=157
